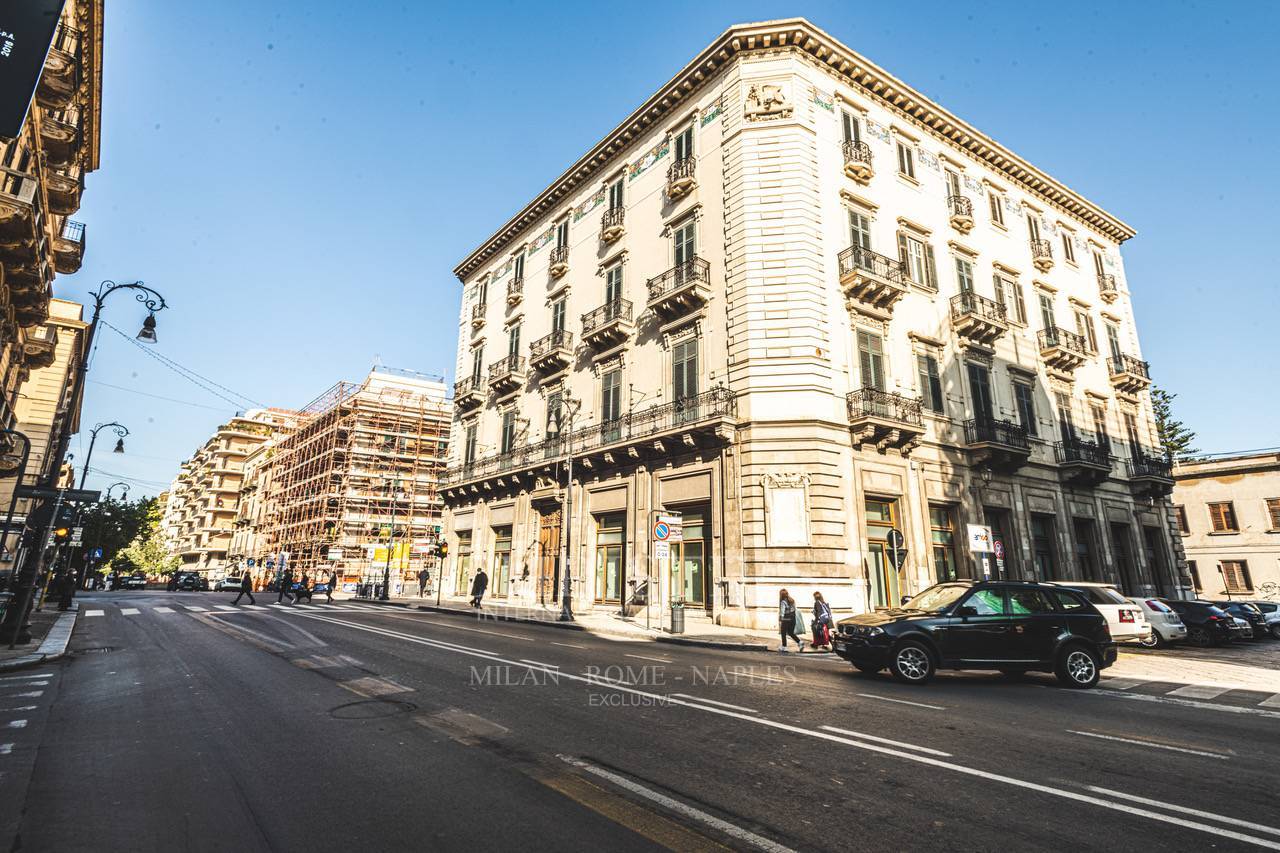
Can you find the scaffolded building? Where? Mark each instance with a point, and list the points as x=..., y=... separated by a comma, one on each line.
x=354, y=488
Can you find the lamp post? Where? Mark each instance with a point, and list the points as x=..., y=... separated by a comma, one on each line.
x=391, y=538
x=571, y=406
x=121, y=431
x=154, y=302
x=89, y=557
x=12, y=436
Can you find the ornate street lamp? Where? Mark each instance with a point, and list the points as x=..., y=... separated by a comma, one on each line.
x=121, y=431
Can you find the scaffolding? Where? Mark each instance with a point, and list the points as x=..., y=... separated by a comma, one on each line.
x=355, y=487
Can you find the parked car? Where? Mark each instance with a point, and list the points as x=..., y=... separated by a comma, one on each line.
x=132, y=582
x=1258, y=628
x=1128, y=622
x=190, y=582
x=1270, y=612
x=1166, y=625
x=1207, y=625
x=1010, y=627
x=227, y=584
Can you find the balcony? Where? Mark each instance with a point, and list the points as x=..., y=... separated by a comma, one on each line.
x=681, y=178
x=607, y=325
x=1084, y=462
x=559, y=264
x=41, y=346
x=515, y=292
x=507, y=374
x=1129, y=375
x=64, y=190
x=61, y=137
x=1061, y=350
x=1150, y=475
x=657, y=432
x=977, y=319
x=857, y=161
x=21, y=213
x=884, y=419
x=468, y=393
x=1042, y=255
x=872, y=283
x=552, y=352
x=1107, y=287
x=68, y=248
x=680, y=289
x=612, y=224
x=477, y=316
x=960, y=210
x=60, y=78
x=997, y=443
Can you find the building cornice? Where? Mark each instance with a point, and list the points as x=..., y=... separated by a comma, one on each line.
x=871, y=80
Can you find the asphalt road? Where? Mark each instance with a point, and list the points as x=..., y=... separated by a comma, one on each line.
x=358, y=727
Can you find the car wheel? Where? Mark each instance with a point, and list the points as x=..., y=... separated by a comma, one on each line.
x=912, y=663
x=1155, y=641
x=867, y=669
x=1275, y=631
x=1199, y=637
x=1078, y=667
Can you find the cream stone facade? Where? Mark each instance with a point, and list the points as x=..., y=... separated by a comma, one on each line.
x=1228, y=507
x=798, y=303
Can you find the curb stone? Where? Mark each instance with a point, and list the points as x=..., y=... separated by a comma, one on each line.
x=52, y=647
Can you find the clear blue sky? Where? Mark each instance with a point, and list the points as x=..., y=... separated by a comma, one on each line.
x=299, y=178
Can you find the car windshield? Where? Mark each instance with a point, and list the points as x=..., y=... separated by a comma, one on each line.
x=1103, y=595
x=1267, y=607
x=935, y=599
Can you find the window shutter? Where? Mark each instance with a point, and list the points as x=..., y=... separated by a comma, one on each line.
x=902, y=254
x=930, y=267
x=997, y=287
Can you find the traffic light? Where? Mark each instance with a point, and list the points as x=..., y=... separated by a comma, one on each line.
x=442, y=549
x=60, y=534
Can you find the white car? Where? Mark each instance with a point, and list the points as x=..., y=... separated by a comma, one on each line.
x=1127, y=621
x=1166, y=625
x=1271, y=610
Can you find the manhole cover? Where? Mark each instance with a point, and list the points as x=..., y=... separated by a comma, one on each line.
x=371, y=709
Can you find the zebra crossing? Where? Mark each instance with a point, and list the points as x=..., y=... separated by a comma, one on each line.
x=175, y=608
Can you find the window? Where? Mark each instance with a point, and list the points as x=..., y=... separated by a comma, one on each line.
x=906, y=160
x=513, y=340
x=469, y=444
x=683, y=243
x=1273, y=512
x=1065, y=419
x=986, y=602
x=1222, y=516
x=885, y=579
x=964, y=275
x=1046, y=310
x=611, y=404
x=684, y=144
x=1099, y=265
x=849, y=127
x=871, y=360
x=1235, y=574
x=1131, y=433
x=1099, y=414
x=1195, y=575
x=980, y=387
x=508, y=430
x=917, y=260
x=1042, y=546
x=613, y=284
x=995, y=201
x=562, y=234
x=953, y=183
x=1181, y=512
x=942, y=530
x=518, y=275
x=1033, y=227
x=930, y=383
x=555, y=413
x=1027, y=601
x=477, y=365
x=1113, y=341
x=684, y=369
x=611, y=536
x=482, y=294
x=1068, y=247
x=557, y=315
x=1024, y=397
x=1084, y=328
x=859, y=229
x=615, y=195
x=1069, y=601
x=1015, y=307
x=501, y=561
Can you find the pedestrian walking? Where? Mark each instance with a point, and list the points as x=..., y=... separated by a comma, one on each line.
x=286, y=586
x=423, y=577
x=246, y=588
x=789, y=620
x=303, y=589
x=822, y=623
x=333, y=582
x=478, y=586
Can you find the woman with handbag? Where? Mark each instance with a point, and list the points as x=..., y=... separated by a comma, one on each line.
x=789, y=620
x=822, y=622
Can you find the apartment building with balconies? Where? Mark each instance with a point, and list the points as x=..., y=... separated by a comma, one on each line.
x=798, y=303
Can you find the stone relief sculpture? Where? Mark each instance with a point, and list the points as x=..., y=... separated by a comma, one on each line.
x=767, y=101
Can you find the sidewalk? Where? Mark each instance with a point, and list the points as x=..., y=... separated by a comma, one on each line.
x=50, y=633
x=697, y=632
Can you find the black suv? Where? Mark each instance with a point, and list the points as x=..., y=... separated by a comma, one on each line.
x=1207, y=624
x=190, y=582
x=1249, y=613
x=1010, y=627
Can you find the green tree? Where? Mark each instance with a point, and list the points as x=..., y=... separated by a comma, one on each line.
x=147, y=552
x=113, y=524
x=1178, y=440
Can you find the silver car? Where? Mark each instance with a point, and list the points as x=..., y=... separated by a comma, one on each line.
x=1166, y=625
x=1271, y=610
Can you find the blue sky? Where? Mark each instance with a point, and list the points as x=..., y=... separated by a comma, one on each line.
x=298, y=179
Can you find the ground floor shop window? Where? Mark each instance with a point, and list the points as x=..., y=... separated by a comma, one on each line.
x=462, y=567
x=886, y=581
x=689, y=559
x=942, y=531
x=1042, y=547
x=611, y=539
x=500, y=583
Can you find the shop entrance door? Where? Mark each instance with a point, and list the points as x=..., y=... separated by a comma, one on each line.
x=549, y=557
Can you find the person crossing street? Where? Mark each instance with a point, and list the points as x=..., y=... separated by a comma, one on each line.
x=246, y=588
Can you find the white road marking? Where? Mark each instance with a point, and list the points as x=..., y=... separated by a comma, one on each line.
x=371, y=687
x=1152, y=745
x=539, y=663
x=646, y=657
x=19, y=708
x=729, y=829
x=1257, y=827
x=901, y=701
x=1170, y=700
x=224, y=607
x=25, y=677
x=1121, y=683
x=864, y=745
x=34, y=694
x=902, y=744
x=129, y=611
x=17, y=724
x=568, y=645
x=1198, y=691
x=94, y=612
x=714, y=702
x=194, y=609
x=6, y=748
x=253, y=607
x=1272, y=701
x=163, y=609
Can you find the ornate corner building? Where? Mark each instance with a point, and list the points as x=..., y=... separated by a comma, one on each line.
x=794, y=300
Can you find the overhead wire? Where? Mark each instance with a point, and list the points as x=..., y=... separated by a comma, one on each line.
x=187, y=373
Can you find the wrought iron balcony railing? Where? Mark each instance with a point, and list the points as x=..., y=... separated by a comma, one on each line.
x=857, y=153
x=465, y=387
x=1128, y=364
x=858, y=259
x=512, y=364
x=618, y=309
x=560, y=255
x=1084, y=452
x=969, y=303
x=1042, y=251
x=1055, y=337
x=614, y=217
x=874, y=403
x=995, y=431
x=515, y=290
x=681, y=170
x=958, y=205
x=1149, y=465
x=680, y=414
x=548, y=344
x=693, y=271
x=1107, y=285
